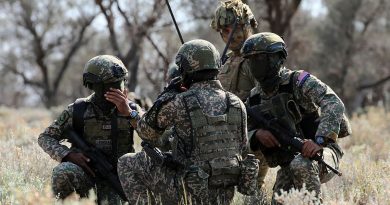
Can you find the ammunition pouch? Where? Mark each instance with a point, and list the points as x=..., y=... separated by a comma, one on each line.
x=224, y=172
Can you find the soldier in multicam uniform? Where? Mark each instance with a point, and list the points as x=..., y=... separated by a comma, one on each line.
x=302, y=103
x=235, y=75
x=97, y=121
x=209, y=136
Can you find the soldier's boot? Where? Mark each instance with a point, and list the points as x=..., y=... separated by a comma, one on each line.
x=68, y=178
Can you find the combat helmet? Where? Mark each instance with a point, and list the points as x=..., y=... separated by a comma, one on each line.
x=104, y=69
x=265, y=42
x=197, y=55
x=228, y=11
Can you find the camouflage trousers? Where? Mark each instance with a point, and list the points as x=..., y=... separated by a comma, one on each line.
x=305, y=171
x=146, y=183
x=68, y=178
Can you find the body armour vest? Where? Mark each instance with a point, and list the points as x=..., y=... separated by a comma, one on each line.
x=112, y=134
x=235, y=77
x=286, y=109
x=216, y=140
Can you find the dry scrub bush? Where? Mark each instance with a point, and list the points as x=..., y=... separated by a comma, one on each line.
x=25, y=170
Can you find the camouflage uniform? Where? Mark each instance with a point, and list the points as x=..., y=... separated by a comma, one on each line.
x=314, y=101
x=68, y=177
x=204, y=106
x=235, y=74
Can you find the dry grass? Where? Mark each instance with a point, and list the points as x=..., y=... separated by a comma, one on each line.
x=25, y=169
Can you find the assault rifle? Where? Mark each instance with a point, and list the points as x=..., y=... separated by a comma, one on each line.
x=159, y=157
x=293, y=142
x=99, y=162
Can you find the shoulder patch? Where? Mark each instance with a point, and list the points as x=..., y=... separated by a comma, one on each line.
x=302, y=78
x=61, y=120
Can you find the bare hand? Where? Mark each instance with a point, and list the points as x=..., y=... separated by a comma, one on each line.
x=81, y=160
x=120, y=100
x=267, y=138
x=310, y=148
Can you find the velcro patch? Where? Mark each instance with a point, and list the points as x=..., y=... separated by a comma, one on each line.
x=61, y=120
x=302, y=78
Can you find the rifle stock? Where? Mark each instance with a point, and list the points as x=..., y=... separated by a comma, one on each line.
x=159, y=157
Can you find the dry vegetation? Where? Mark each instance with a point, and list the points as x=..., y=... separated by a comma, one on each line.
x=25, y=169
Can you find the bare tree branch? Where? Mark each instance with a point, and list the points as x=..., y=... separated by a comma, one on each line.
x=375, y=84
x=165, y=59
x=108, y=14
x=75, y=46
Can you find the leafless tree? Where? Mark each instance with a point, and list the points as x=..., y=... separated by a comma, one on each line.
x=138, y=22
x=44, y=44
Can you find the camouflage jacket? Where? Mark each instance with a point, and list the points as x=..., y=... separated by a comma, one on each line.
x=313, y=96
x=53, y=136
x=236, y=77
x=170, y=112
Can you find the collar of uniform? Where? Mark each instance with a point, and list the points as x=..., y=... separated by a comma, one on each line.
x=285, y=78
x=206, y=84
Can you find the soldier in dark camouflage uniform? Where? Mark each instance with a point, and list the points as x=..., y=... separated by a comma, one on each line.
x=99, y=124
x=209, y=136
x=304, y=105
x=235, y=75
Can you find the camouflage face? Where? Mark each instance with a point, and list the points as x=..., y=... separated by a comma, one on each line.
x=239, y=36
x=104, y=69
x=197, y=55
x=263, y=43
x=228, y=11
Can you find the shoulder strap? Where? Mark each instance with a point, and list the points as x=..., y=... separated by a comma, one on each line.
x=79, y=108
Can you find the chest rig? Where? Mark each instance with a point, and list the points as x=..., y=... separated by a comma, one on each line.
x=216, y=140
x=111, y=134
x=286, y=109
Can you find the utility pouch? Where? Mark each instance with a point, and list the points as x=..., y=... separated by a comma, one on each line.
x=247, y=183
x=197, y=184
x=224, y=172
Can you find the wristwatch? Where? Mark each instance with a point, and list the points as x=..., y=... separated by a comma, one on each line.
x=133, y=114
x=320, y=140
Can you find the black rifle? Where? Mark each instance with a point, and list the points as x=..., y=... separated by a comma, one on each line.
x=293, y=142
x=230, y=38
x=160, y=158
x=99, y=162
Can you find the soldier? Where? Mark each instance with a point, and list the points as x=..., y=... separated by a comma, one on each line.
x=301, y=103
x=209, y=136
x=235, y=75
x=97, y=121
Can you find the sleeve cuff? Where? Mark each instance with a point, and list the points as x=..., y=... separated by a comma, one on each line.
x=62, y=155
